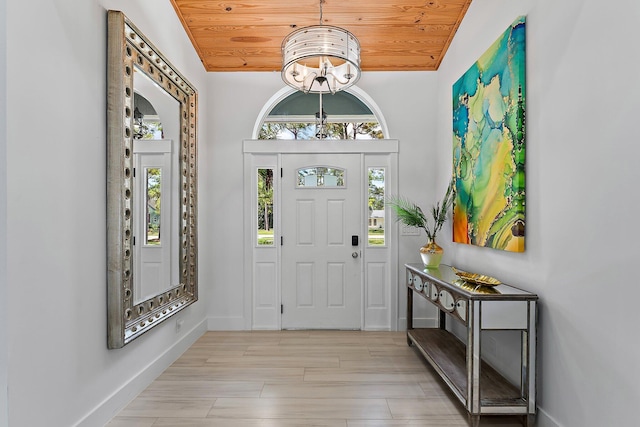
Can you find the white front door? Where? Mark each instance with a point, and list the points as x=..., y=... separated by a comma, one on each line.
x=321, y=262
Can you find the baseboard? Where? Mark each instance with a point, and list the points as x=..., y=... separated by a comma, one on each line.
x=113, y=404
x=226, y=324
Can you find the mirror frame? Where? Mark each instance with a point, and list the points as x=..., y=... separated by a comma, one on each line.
x=127, y=320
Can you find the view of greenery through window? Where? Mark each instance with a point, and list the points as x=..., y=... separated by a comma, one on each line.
x=278, y=130
x=265, y=207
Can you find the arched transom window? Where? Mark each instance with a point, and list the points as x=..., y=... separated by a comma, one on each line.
x=299, y=116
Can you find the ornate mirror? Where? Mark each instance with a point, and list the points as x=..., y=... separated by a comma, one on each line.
x=151, y=186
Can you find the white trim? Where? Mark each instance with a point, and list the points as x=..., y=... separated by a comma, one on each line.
x=247, y=270
x=114, y=403
x=262, y=146
x=286, y=91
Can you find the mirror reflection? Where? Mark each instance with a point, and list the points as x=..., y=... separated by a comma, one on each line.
x=156, y=128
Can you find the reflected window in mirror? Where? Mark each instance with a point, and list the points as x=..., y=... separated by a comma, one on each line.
x=153, y=203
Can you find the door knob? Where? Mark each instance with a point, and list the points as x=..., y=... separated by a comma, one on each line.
x=355, y=254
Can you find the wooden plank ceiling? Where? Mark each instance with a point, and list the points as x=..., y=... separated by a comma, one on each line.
x=395, y=35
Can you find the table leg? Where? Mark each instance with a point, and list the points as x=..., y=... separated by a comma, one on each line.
x=409, y=313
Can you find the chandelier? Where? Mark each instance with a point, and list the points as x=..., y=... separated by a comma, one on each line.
x=140, y=129
x=320, y=58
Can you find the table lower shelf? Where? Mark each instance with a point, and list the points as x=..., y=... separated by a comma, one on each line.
x=447, y=354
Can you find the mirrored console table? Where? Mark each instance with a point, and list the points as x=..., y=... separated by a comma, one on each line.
x=481, y=389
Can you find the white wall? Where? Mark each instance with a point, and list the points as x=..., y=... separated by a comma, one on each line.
x=582, y=204
x=236, y=100
x=4, y=348
x=56, y=238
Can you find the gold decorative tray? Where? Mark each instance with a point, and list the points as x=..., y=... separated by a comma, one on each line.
x=477, y=279
x=478, y=289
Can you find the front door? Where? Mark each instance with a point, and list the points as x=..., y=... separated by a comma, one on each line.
x=321, y=221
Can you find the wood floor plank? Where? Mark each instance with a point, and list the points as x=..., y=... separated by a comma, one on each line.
x=231, y=373
x=415, y=408
x=208, y=422
x=131, y=422
x=168, y=407
x=305, y=423
x=406, y=362
x=322, y=390
x=301, y=408
x=365, y=375
x=203, y=389
x=351, y=352
x=200, y=356
x=436, y=422
x=436, y=387
x=228, y=422
x=276, y=361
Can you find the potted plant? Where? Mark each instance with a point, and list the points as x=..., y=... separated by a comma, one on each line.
x=410, y=214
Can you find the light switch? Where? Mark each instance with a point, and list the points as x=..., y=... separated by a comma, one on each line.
x=409, y=231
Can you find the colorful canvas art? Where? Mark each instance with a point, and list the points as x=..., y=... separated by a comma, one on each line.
x=489, y=146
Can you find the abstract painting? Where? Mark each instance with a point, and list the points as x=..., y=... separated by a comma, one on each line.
x=489, y=146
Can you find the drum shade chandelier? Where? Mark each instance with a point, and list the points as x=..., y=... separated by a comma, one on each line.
x=320, y=58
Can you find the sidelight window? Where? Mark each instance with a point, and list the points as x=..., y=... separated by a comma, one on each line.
x=376, y=207
x=265, y=207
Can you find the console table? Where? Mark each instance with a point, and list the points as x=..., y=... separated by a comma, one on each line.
x=480, y=388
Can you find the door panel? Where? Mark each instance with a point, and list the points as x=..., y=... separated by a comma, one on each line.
x=336, y=286
x=321, y=280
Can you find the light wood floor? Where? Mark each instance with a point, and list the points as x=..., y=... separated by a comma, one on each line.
x=299, y=378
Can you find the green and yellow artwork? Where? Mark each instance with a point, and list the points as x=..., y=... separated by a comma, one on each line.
x=489, y=146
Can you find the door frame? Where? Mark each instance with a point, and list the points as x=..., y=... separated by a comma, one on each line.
x=268, y=153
